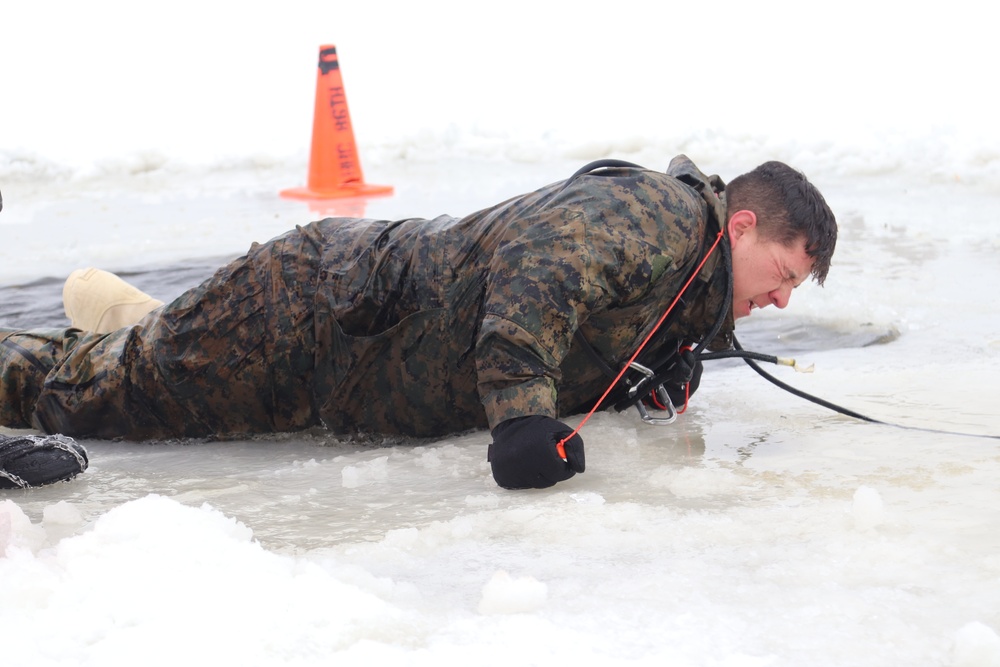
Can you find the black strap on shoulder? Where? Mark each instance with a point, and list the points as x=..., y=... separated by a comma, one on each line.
x=606, y=163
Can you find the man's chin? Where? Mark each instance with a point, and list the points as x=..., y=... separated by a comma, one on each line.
x=741, y=312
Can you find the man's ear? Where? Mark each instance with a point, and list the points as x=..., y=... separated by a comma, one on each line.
x=740, y=223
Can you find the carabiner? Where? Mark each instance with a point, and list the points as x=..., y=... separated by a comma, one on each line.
x=661, y=395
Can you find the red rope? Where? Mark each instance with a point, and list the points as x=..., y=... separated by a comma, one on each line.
x=561, y=445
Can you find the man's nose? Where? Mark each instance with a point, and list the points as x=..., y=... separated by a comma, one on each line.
x=781, y=296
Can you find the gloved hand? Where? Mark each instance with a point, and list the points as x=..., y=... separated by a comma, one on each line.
x=523, y=454
x=687, y=370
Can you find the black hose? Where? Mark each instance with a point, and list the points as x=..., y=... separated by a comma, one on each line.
x=739, y=354
x=748, y=357
x=792, y=390
x=603, y=164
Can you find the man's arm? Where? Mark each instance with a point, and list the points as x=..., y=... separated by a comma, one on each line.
x=619, y=239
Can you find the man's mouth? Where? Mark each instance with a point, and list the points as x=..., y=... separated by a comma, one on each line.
x=750, y=306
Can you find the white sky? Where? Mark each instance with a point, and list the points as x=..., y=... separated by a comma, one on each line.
x=207, y=80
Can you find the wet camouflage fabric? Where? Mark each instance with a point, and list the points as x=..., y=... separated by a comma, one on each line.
x=414, y=327
x=231, y=356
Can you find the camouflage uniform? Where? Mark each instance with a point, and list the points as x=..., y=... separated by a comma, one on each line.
x=415, y=327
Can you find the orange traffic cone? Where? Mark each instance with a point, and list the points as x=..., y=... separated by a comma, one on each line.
x=334, y=167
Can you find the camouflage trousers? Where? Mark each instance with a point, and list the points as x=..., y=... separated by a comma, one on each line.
x=232, y=356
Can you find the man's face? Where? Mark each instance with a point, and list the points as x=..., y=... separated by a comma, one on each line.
x=764, y=272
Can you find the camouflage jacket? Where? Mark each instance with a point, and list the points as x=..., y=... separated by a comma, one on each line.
x=426, y=327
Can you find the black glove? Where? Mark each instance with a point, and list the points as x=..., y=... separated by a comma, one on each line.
x=686, y=370
x=523, y=454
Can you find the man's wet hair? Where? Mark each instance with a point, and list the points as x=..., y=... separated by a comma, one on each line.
x=788, y=207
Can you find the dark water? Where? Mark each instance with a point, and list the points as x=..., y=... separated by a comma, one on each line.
x=39, y=303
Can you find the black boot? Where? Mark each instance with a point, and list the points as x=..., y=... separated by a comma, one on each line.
x=35, y=460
